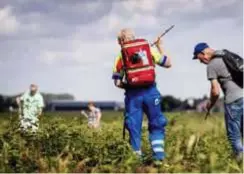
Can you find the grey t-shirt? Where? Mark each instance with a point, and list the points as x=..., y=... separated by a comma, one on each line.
x=217, y=69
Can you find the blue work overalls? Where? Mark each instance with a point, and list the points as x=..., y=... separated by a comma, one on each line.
x=147, y=100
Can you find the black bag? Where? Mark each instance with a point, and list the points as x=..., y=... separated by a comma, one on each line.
x=234, y=63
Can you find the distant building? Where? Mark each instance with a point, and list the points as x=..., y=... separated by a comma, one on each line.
x=71, y=105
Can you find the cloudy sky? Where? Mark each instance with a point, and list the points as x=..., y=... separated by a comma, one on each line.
x=70, y=45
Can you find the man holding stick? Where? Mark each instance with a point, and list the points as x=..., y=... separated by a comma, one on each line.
x=134, y=71
x=220, y=74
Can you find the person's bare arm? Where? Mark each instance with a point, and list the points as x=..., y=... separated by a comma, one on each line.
x=99, y=115
x=158, y=44
x=41, y=106
x=20, y=104
x=84, y=113
x=18, y=101
x=214, y=94
x=118, y=83
x=40, y=111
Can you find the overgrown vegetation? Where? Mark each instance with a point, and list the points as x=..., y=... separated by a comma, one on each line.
x=65, y=144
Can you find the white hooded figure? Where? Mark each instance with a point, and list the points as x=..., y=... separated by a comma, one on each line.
x=30, y=105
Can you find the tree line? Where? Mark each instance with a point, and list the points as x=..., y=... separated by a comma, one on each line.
x=10, y=101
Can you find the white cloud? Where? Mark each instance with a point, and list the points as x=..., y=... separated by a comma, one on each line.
x=113, y=22
x=116, y=23
x=183, y=6
x=23, y=1
x=87, y=53
x=144, y=5
x=147, y=5
x=32, y=23
x=8, y=22
x=50, y=57
x=220, y=4
x=148, y=20
x=129, y=5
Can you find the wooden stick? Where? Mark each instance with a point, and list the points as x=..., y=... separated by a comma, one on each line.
x=166, y=31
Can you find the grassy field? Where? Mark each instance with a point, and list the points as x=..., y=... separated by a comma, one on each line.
x=65, y=144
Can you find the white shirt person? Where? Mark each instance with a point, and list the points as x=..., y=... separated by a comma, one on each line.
x=31, y=105
x=93, y=115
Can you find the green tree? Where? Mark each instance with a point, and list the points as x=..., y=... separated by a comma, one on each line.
x=169, y=103
x=1, y=103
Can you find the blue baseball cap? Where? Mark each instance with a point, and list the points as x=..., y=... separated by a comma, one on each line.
x=199, y=48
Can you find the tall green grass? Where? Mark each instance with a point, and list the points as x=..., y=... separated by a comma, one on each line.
x=65, y=144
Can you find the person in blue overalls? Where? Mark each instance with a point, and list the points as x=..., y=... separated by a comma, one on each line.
x=144, y=99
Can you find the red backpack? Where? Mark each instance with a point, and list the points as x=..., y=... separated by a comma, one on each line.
x=138, y=63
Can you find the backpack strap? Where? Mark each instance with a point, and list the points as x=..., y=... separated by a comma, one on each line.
x=219, y=54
